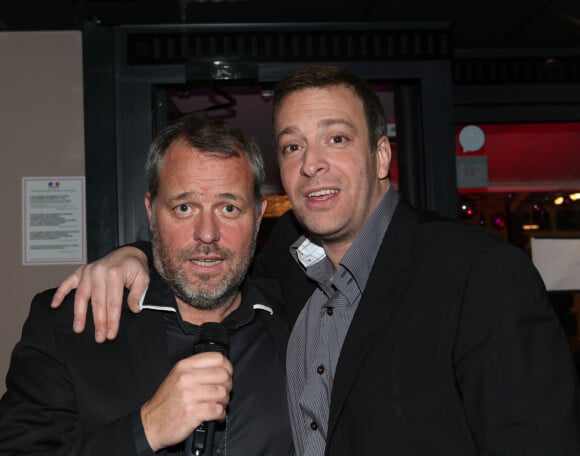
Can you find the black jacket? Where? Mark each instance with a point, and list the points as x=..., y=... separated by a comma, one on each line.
x=454, y=349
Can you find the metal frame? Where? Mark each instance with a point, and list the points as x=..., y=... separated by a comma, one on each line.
x=120, y=71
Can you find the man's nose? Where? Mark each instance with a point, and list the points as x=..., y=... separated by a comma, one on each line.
x=206, y=229
x=314, y=161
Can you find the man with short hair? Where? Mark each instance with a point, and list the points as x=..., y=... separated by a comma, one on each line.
x=146, y=392
x=411, y=334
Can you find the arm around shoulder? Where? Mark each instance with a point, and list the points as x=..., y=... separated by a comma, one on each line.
x=102, y=283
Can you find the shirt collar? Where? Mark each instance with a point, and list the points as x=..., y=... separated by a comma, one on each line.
x=308, y=252
x=361, y=255
x=159, y=297
x=359, y=258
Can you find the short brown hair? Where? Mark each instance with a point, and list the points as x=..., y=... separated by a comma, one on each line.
x=317, y=77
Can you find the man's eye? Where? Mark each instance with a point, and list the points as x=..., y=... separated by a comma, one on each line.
x=338, y=139
x=182, y=209
x=230, y=209
x=288, y=149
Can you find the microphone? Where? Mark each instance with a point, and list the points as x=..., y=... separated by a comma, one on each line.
x=210, y=337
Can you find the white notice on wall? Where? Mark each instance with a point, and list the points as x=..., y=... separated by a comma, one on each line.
x=558, y=261
x=53, y=220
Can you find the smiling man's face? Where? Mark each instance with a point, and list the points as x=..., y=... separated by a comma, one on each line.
x=333, y=180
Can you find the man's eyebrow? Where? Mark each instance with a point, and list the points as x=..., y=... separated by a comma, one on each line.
x=230, y=196
x=288, y=131
x=194, y=195
x=342, y=121
x=322, y=123
x=183, y=196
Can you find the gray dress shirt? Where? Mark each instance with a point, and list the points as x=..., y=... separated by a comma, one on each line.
x=317, y=337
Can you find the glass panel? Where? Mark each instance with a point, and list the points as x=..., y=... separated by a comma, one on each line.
x=522, y=181
x=250, y=107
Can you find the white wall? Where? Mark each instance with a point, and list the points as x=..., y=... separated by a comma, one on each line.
x=41, y=134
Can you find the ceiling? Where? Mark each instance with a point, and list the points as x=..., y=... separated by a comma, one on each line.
x=490, y=24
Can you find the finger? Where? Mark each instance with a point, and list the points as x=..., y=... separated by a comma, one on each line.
x=114, y=303
x=211, y=402
x=66, y=286
x=81, y=300
x=209, y=359
x=205, y=368
x=80, y=313
x=95, y=287
x=137, y=290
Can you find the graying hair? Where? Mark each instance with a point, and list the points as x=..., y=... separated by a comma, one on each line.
x=209, y=135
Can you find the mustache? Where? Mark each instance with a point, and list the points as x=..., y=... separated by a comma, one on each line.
x=204, y=249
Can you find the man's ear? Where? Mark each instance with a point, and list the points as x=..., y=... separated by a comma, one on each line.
x=383, y=157
x=149, y=206
x=263, y=206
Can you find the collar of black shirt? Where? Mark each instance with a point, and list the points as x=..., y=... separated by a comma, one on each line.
x=160, y=295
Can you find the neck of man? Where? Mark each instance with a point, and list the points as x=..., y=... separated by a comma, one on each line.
x=336, y=249
x=198, y=317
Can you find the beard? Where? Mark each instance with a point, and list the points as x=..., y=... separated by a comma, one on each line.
x=205, y=294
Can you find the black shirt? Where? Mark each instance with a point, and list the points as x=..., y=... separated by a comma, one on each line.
x=257, y=421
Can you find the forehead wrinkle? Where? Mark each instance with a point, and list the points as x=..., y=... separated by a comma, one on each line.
x=230, y=196
x=184, y=196
x=293, y=130
x=197, y=195
x=338, y=121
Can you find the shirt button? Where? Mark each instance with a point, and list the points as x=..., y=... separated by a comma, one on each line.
x=329, y=311
x=313, y=426
x=320, y=369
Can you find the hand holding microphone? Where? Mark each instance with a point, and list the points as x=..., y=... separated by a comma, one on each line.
x=195, y=391
x=212, y=337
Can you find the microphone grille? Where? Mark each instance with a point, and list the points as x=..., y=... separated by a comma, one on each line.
x=211, y=337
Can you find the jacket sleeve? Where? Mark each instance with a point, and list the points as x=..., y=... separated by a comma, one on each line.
x=146, y=247
x=277, y=274
x=513, y=365
x=39, y=413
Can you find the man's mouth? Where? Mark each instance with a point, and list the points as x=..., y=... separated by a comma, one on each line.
x=326, y=191
x=206, y=262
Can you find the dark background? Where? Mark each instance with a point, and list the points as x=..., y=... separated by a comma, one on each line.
x=493, y=23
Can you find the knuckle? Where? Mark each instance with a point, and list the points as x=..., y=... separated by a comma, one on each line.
x=115, y=272
x=98, y=269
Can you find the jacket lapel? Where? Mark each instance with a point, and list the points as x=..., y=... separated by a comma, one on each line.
x=388, y=279
x=148, y=347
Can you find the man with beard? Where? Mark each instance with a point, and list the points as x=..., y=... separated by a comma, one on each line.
x=145, y=392
x=411, y=334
